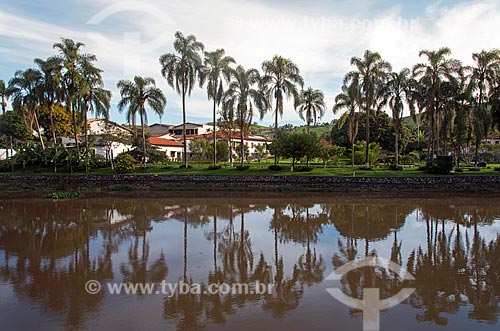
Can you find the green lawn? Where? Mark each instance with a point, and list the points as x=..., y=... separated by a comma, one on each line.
x=261, y=169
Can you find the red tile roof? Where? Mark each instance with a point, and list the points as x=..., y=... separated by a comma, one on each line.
x=164, y=142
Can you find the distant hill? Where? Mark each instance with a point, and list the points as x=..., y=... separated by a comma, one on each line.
x=319, y=130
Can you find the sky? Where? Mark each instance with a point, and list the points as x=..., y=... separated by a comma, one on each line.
x=128, y=37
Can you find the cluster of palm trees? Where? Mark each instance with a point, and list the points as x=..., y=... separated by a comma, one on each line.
x=70, y=78
x=455, y=102
x=239, y=91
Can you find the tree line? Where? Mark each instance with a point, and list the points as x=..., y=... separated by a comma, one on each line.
x=454, y=106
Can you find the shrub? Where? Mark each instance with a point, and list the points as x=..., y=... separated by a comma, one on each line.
x=275, y=168
x=215, y=167
x=497, y=169
x=482, y=164
x=395, y=168
x=182, y=166
x=366, y=168
x=125, y=164
x=64, y=195
x=459, y=170
x=98, y=162
x=442, y=165
x=475, y=169
x=242, y=168
x=303, y=169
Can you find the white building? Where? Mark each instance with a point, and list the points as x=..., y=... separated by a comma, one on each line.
x=252, y=142
x=6, y=153
x=109, y=139
x=191, y=129
x=172, y=148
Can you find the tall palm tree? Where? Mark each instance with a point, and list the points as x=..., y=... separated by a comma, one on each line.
x=3, y=96
x=310, y=106
x=92, y=96
x=71, y=59
x=351, y=100
x=484, y=76
x=396, y=95
x=438, y=69
x=181, y=70
x=135, y=95
x=23, y=89
x=50, y=90
x=371, y=70
x=281, y=78
x=216, y=68
x=243, y=95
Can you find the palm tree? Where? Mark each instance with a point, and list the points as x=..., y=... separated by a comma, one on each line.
x=431, y=75
x=136, y=95
x=50, y=90
x=396, y=94
x=71, y=59
x=23, y=89
x=3, y=96
x=243, y=95
x=351, y=100
x=484, y=76
x=217, y=67
x=311, y=106
x=181, y=71
x=281, y=77
x=371, y=70
x=93, y=97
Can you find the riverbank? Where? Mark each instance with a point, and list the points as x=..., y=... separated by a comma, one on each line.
x=15, y=185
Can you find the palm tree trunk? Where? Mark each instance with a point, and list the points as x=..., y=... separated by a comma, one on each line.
x=215, y=132
x=52, y=126
x=276, y=129
x=308, y=121
x=75, y=131
x=184, y=122
x=143, y=137
x=352, y=152
x=242, y=145
x=85, y=120
x=367, y=129
x=396, y=145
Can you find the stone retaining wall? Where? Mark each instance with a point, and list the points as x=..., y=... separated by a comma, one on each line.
x=422, y=184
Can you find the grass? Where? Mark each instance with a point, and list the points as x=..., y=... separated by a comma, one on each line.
x=261, y=169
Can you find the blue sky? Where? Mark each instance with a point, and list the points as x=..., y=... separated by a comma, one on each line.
x=320, y=36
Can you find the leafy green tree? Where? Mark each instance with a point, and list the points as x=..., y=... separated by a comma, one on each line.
x=295, y=146
x=12, y=127
x=217, y=66
x=243, y=95
x=310, y=106
x=222, y=151
x=371, y=70
x=135, y=95
x=330, y=153
x=281, y=79
x=349, y=99
x=181, y=70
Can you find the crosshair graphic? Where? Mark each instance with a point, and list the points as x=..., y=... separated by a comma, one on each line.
x=371, y=305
